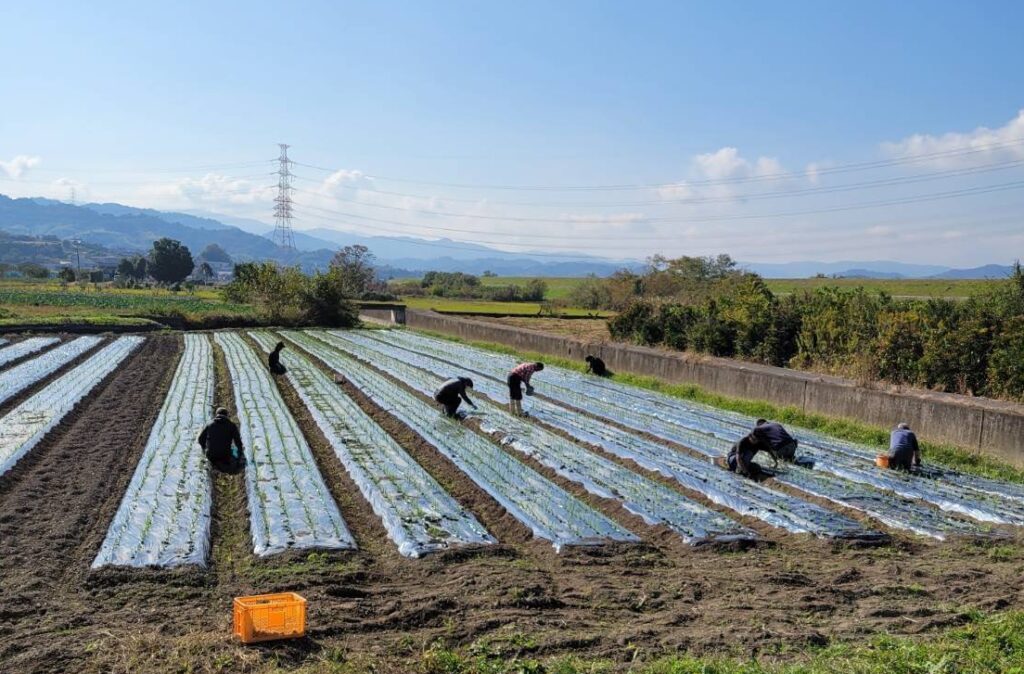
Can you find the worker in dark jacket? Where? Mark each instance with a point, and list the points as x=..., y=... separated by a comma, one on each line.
x=217, y=440
x=903, y=449
x=596, y=366
x=741, y=457
x=274, y=359
x=775, y=439
x=452, y=393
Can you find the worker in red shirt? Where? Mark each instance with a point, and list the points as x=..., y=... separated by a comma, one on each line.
x=517, y=377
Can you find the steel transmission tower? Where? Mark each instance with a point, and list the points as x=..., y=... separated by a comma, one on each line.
x=283, y=235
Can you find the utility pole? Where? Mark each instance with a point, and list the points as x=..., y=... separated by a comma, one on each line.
x=78, y=258
x=72, y=195
x=283, y=235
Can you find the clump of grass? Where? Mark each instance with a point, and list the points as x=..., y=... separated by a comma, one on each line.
x=853, y=431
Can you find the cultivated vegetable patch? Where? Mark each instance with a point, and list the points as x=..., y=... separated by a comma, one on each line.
x=164, y=518
x=19, y=378
x=22, y=428
x=289, y=504
x=691, y=425
x=419, y=516
x=649, y=499
x=24, y=348
x=724, y=488
x=549, y=511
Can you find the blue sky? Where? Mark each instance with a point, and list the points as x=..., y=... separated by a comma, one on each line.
x=174, y=105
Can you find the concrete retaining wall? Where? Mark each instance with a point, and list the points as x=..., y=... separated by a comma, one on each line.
x=392, y=314
x=991, y=427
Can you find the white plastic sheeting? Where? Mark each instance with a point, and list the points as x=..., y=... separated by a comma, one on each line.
x=724, y=488
x=779, y=510
x=679, y=421
x=23, y=427
x=419, y=516
x=24, y=348
x=549, y=511
x=19, y=378
x=652, y=501
x=289, y=504
x=164, y=517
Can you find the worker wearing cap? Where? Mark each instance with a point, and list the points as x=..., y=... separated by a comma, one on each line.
x=903, y=449
x=217, y=440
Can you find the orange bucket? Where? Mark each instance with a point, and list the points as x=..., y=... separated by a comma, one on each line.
x=882, y=460
x=265, y=617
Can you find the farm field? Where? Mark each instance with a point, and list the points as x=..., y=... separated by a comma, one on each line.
x=561, y=287
x=594, y=536
x=47, y=302
x=486, y=307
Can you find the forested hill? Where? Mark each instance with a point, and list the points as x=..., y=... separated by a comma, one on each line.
x=136, y=230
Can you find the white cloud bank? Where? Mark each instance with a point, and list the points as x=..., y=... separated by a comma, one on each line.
x=19, y=166
x=957, y=149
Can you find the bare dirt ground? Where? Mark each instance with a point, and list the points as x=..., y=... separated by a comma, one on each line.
x=589, y=329
x=626, y=603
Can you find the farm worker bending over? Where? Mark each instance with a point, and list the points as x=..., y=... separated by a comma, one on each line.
x=775, y=439
x=596, y=365
x=452, y=393
x=903, y=449
x=520, y=375
x=217, y=439
x=275, y=359
x=741, y=456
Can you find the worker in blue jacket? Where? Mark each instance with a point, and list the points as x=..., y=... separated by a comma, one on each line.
x=904, y=452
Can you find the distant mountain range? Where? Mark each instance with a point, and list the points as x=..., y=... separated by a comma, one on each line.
x=883, y=269
x=128, y=230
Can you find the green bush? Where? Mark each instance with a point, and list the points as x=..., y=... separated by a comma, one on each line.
x=974, y=347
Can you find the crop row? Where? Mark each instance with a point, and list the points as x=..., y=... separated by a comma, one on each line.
x=19, y=378
x=723, y=488
x=23, y=427
x=24, y=348
x=164, y=517
x=549, y=511
x=117, y=301
x=419, y=516
x=289, y=504
x=711, y=436
x=649, y=499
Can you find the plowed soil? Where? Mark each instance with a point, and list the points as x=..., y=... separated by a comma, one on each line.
x=626, y=603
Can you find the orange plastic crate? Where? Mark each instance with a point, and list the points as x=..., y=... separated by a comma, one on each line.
x=264, y=617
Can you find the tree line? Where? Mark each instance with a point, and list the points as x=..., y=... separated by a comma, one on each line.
x=457, y=285
x=707, y=305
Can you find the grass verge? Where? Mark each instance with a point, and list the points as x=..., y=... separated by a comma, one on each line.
x=853, y=431
x=991, y=644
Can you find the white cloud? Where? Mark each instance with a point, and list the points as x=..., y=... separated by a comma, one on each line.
x=19, y=166
x=879, y=230
x=964, y=149
x=211, y=189
x=721, y=175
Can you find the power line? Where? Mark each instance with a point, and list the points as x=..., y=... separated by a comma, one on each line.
x=809, y=191
x=915, y=226
x=137, y=182
x=935, y=196
x=201, y=167
x=842, y=168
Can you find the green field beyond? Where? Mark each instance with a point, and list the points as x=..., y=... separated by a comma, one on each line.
x=47, y=302
x=559, y=288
